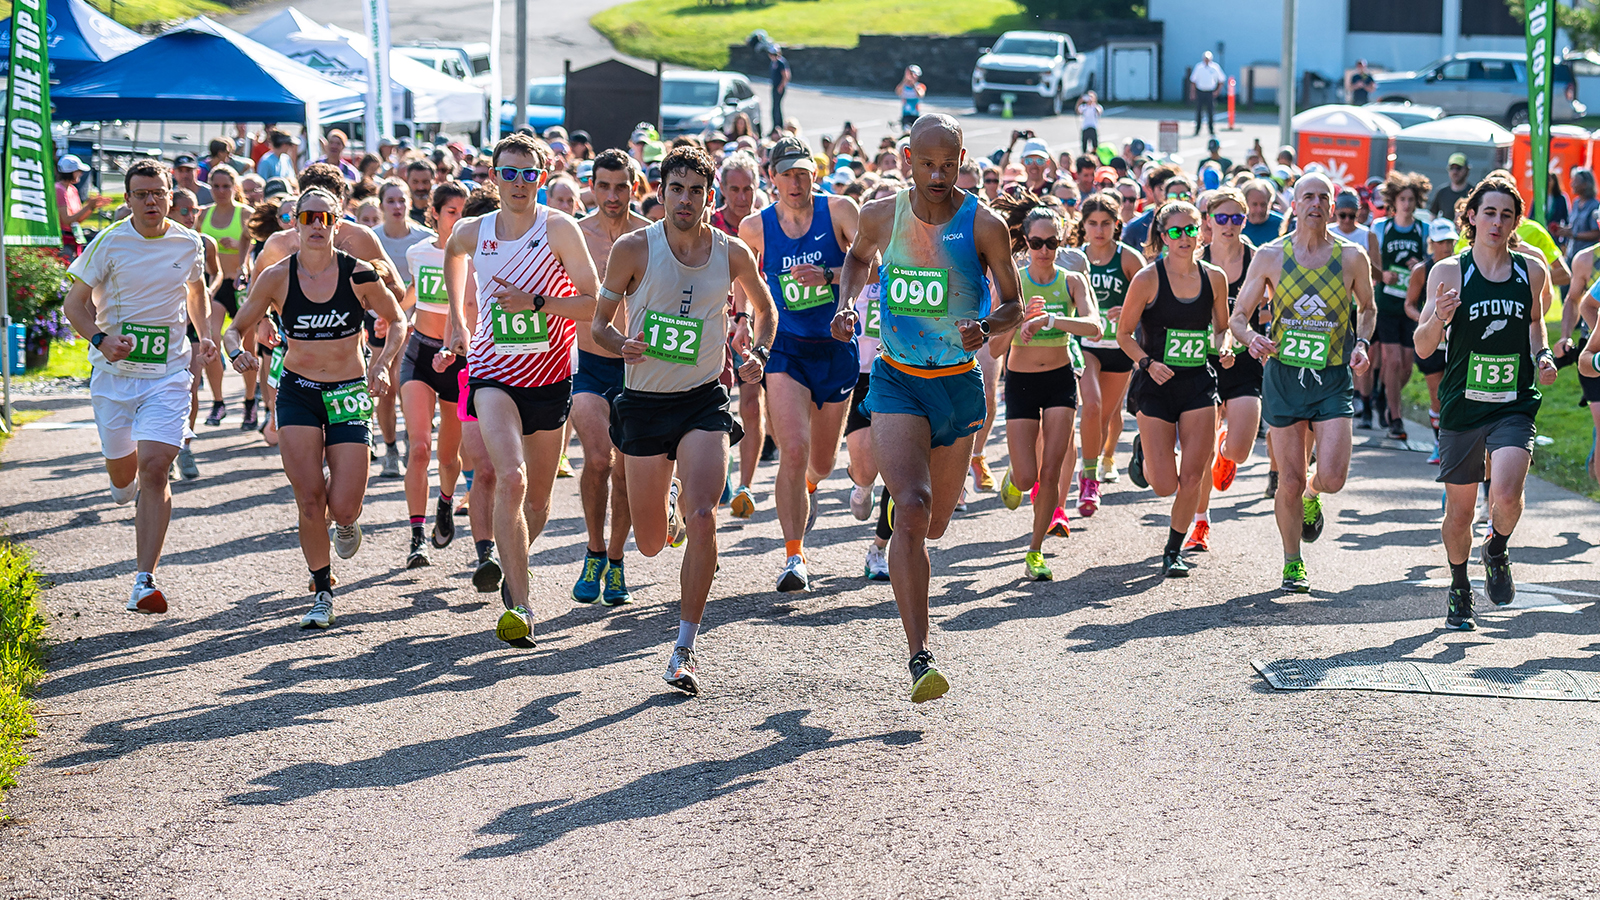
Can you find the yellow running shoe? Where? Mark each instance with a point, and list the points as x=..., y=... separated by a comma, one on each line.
x=1009, y=495
x=743, y=505
x=564, y=468
x=926, y=682
x=981, y=476
x=514, y=625
x=1037, y=570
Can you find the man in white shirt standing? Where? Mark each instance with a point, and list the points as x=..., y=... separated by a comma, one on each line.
x=1207, y=79
x=135, y=289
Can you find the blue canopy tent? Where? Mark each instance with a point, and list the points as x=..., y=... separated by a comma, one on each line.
x=80, y=37
x=201, y=71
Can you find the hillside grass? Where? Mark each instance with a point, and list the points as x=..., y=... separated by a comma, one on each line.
x=697, y=32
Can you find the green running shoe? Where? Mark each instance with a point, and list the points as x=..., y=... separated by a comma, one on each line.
x=514, y=627
x=1009, y=495
x=1294, y=578
x=1311, y=529
x=1037, y=570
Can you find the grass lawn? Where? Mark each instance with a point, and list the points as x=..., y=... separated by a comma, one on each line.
x=696, y=33
x=67, y=360
x=134, y=13
x=21, y=655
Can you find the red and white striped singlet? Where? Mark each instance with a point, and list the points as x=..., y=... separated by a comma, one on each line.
x=527, y=262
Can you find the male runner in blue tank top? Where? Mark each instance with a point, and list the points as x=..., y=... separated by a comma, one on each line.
x=801, y=239
x=926, y=396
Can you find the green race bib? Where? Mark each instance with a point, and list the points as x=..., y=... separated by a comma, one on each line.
x=1304, y=349
x=430, y=286
x=1492, y=378
x=1186, y=349
x=1402, y=281
x=517, y=333
x=149, y=355
x=349, y=403
x=673, y=339
x=1108, y=337
x=1075, y=353
x=874, y=316
x=275, y=371
x=919, y=292
x=797, y=296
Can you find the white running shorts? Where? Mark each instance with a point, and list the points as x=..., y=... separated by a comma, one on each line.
x=128, y=410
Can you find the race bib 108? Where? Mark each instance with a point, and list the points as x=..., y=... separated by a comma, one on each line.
x=348, y=403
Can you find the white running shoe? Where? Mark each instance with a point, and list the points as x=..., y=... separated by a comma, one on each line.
x=146, y=598
x=124, y=495
x=861, y=503
x=681, y=671
x=321, y=613
x=347, y=539
x=794, y=577
x=677, y=532
x=877, y=564
x=961, y=504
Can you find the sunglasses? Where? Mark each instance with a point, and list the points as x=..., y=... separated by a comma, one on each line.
x=1071, y=202
x=1347, y=216
x=317, y=217
x=511, y=173
x=286, y=217
x=1127, y=199
x=991, y=181
x=1043, y=243
x=1228, y=218
x=1176, y=232
x=1179, y=196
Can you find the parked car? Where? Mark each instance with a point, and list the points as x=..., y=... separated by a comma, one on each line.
x=1406, y=114
x=547, y=104
x=1492, y=85
x=696, y=102
x=467, y=62
x=1041, y=66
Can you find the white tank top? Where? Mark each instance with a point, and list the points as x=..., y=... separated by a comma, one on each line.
x=682, y=312
x=528, y=262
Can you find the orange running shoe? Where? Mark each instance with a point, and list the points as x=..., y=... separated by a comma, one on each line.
x=1223, y=469
x=1199, y=539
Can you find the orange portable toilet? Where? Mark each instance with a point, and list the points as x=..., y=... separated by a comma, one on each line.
x=1570, y=148
x=1350, y=143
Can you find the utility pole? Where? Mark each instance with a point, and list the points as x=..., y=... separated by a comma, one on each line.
x=1286, y=79
x=520, y=89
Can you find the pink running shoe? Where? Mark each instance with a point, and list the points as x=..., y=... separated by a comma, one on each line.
x=1033, y=492
x=1088, y=496
x=1060, y=525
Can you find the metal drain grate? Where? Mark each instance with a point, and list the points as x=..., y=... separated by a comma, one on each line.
x=1429, y=678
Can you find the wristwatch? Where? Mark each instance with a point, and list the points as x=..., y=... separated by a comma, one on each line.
x=538, y=302
x=759, y=352
x=98, y=337
x=827, y=274
x=1144, y=363
x=983, y=326
x=1366, y=344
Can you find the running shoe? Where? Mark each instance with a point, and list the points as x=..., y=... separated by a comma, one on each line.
x=1009, y=495
x=877, y=568
x=1136, y=465
x=1294, y=577
x=391, y=466
x=1108, y=471
x=961, y=502
x=249, y=422
x=1458, y=610
x=1311, y=527
x=1497, y=581
x=564, y=467
x=982, y=478
x=1397, y=429
x=1272, y=486
x=186, y=464
x=122, y=496
x=417, y=557
x=1433, y=458
x=1037, y=570
x=680, y=671
x=616, y=593
x=487, y=576
x=743, y=506
x=926, y=681
x=1173, y=565
x=811, y=511
x=444, y=523
x=794, y=576
x=1060, y=524
x=146, y=597
x=1380, y=399
x=861, y=503
x=1088, y=496
x=321, y=613
x=1199, y=539
x=219, y=411
x=727, y=490
x=587, y=590
x=1364, y=420
x=677, y=532
x=1223, y=469
x=346, y=539
x=769, y=449
x=514, y=627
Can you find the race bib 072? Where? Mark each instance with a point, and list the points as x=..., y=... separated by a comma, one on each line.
x=797, y=296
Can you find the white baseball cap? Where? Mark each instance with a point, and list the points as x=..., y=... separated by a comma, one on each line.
x=1442, y=229
x=70, y=163
x=1035, y=147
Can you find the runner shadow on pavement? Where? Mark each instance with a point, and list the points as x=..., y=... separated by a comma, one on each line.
x=535, y=825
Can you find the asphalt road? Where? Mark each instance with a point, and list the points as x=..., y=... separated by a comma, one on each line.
x=1106, y=735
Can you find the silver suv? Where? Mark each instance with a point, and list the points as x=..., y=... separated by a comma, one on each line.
x=1492, y=85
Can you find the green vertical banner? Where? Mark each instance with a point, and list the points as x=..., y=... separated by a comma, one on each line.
x=1541, y=40
x=30, y=165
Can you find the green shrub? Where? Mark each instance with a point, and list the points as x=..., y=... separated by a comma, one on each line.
x=21, y=654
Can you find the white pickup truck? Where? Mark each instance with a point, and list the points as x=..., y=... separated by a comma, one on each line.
x=1034, y=65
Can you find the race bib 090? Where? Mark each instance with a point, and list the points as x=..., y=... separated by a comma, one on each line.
x=919, y=292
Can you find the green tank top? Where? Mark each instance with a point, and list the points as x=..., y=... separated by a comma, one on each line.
x=233, y=232
x=1315, y=303
x=1109, y=284
x=1397, y=249
x=1488, y=370
x=1057, y=299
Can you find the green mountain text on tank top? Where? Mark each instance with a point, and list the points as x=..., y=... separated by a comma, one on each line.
x=1488, y=371
x=1315, y=308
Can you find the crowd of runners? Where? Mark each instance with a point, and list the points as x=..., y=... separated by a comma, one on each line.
x=664, y=302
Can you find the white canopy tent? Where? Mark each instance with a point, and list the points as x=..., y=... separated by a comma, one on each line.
x=342, y=56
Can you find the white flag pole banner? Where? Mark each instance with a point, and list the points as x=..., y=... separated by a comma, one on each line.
x=380, y=109
x=497, y=87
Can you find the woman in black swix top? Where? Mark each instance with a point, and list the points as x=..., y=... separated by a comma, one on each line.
x=1238, y=373
x=1177, y=305
x=325, y=396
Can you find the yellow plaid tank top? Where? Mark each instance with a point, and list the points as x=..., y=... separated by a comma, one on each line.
x=1315, y=300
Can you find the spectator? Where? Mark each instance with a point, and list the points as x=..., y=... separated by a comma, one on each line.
x=185, y=174
x=1262, y=222
x=283, y=162
x=419, y=179
x=1360, y=84
x=1444, y=198
x=910, y=91
x=1214, y=154
x=1089, y=112
x=1207, y=79
x=70, y=206
x=1582, y=230
x=370, y=168
x=1036, y=163
x=582, y=146
x=335, y=143
x=221, y=153
x=780, y=82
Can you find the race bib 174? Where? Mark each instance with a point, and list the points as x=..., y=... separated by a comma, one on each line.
x=430, y=286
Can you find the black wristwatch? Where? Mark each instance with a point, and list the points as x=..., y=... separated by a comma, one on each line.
x=1144, y=363
x=1364, y=342
x=983, y=326
x=538, y=302
x=97, y=338
x=827, y=274
x=759, y=352
x=234, y=354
